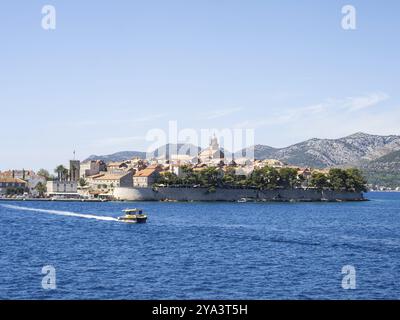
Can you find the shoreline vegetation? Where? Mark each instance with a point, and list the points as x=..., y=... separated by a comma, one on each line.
x=265, y=184
x=266, y=178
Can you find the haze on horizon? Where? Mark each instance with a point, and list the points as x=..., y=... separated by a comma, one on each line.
x=111, y=71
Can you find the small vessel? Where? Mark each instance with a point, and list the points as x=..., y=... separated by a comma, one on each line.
x=133, y=216
x=242, y=200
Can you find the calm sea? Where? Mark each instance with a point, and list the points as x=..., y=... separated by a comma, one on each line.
x=202, y=250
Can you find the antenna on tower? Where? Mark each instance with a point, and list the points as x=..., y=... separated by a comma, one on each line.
x=74, y=154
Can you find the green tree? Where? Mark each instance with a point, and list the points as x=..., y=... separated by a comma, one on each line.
x=62, y=172
x=189, y=176
x=230, y=178
x=337, y=179
x=288, y=178
x=41, y=189
x=319, y=180
x=355, y=181
x=82, y=182
x=264, y=178
x=348, y=180
x=44, y=174
x=210, y=177
x=168, y=178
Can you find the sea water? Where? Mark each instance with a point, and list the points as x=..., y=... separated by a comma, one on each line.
x=202, y=250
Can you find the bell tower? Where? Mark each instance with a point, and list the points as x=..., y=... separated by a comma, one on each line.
x=214, y=145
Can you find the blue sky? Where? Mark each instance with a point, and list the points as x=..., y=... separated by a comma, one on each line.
x=112, y=70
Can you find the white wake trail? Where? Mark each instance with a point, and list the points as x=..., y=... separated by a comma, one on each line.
x=62, y=213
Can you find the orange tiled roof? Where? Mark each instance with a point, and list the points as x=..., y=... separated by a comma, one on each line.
x=4, y=179
x=145, y=173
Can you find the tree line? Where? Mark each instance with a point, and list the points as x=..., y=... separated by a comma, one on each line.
x=266, y=178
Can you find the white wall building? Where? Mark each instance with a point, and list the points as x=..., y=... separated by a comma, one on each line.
x=145, y=178
x=61, y=187
x=112, y=180
x=33, y=182
x=90, y=168
x=213, y=153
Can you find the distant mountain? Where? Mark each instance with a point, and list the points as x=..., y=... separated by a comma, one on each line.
x=354, y=150
x=389, y=162
x=118, y=156
x=260, y=152
x=180, y=148
x=384, y=170
x=164, y=150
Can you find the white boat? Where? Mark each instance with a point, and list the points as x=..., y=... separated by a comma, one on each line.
x=133, y=216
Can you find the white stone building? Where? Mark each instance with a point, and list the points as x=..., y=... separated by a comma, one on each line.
x=66, y=188
x=145, y=178
x=112, y=180
x=213, y=153
x=93, y=167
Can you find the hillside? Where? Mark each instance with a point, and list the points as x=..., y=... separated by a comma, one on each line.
x=180, y=148
x=164, y=150
x=384, y=170
x=354, y=150
x=118, y=156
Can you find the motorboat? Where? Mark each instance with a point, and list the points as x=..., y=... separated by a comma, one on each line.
x=133, y=216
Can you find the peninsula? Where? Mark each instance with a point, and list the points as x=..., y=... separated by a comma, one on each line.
x=207, y=176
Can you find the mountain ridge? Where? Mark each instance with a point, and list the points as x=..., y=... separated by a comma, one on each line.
x=384, y=171
x=163, y=150
x=354, y=149
x=357, y=149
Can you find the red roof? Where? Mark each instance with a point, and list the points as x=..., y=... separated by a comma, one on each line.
x=4, y=179
x=145, y=173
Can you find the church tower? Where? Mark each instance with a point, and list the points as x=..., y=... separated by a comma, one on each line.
x=214, y=145
x=212, y=153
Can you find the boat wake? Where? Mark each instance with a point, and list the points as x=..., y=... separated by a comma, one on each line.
x=62, y=213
